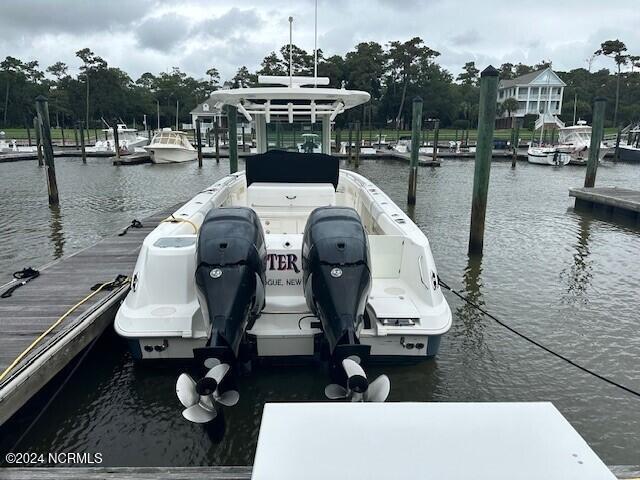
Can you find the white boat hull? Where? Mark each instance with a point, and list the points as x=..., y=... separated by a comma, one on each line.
x=162, y=317
x=544, y=156
x=161, y=154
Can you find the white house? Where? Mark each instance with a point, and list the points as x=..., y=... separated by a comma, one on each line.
x=536, y=92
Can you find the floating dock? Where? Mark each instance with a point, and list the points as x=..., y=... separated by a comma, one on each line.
x=613, y=201
x=34, y=307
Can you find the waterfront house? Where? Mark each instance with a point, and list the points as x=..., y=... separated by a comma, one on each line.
x=536, y=92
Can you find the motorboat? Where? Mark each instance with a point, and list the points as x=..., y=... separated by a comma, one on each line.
x=547, y=155
x=171, y=146
x=576, y=142
x=292, y=259
x=128, y=138
x=629, y=148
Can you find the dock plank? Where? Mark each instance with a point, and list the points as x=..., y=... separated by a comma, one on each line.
x=34, y=307
x=127, y=473
x=620, y=198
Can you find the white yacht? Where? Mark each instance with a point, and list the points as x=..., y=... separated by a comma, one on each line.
x=128, y=138
x=292, y=258
x=576, y=141
x=171, y=146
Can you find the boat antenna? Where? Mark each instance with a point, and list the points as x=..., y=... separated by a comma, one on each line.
x=290, y=51
x=315, y=48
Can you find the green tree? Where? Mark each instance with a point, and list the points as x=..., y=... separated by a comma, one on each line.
x=271, y=65
x=405, y=60
x=510, y=105
x=91, y=63
x=614, y=49
x=470, y=74
x=243, y=78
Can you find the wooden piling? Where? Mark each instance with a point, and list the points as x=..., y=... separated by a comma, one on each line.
x=338, y=140
x=358, y=143
x=484, y=148
x=244, y=147
x=42, y=108
x=216, y=134
x=380, y=138
x=75, y=134
x=28, y=133
x=199, y=142
x=232, y=113
x=116, y=140
x=436, y=135
x=82, y=147
x=617, y=151
x=597, y=131
x=62, y=133
x=416, y=127
x=349, y=146
x=515, y=141
x=38, y=133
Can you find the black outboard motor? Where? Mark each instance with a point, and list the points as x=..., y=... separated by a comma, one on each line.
x=230, y=277
x=336, y=276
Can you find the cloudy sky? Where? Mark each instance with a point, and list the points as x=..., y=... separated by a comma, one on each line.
x=155, y=35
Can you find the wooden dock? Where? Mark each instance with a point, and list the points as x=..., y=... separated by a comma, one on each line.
x=614, y=201
x=127, y=473
x=32, y=308
x=624, y=472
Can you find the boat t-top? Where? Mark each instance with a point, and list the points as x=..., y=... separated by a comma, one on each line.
x=128, y=138
x=291, y=259
x=171, y=146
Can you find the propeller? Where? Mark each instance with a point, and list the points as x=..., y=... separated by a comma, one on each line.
x=200, y=398
x=358, y=388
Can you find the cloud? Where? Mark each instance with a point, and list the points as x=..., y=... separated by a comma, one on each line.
x=153, y=35
x=162, y=33
x=37, y=17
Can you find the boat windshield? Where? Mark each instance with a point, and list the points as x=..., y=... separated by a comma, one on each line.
x=299, y=136
x=171, y=138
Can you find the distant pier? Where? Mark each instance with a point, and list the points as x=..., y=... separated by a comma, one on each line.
x=611, y=201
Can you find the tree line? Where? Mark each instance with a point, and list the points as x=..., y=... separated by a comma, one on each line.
x=393, y=74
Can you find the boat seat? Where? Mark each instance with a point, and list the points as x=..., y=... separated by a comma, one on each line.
x=284, y=207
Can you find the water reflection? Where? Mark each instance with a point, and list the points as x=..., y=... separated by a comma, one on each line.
x=579, y=274
x=56, y=236
x=470, y=321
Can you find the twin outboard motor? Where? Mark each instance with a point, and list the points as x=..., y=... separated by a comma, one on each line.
x=337, y=276
x=230, y=277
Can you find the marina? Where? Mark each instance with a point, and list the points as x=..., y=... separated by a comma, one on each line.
x=461, y=371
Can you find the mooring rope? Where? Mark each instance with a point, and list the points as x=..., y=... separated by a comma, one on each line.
x=173, y=219
x=536, y=343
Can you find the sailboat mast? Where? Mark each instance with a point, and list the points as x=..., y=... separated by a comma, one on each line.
x=290, y=51
x=315, y=48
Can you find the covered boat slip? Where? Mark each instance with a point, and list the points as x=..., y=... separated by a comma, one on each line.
x=405, y=305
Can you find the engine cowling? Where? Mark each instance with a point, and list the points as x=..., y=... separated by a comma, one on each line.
x=337, y=275
x=230, y=277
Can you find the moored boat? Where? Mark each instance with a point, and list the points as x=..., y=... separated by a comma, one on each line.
x=548, y=155
x=292, y=258
x=171, y=146
x=128, y=139
x=576, y=142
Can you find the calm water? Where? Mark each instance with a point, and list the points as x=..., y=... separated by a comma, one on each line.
x=567, y=279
